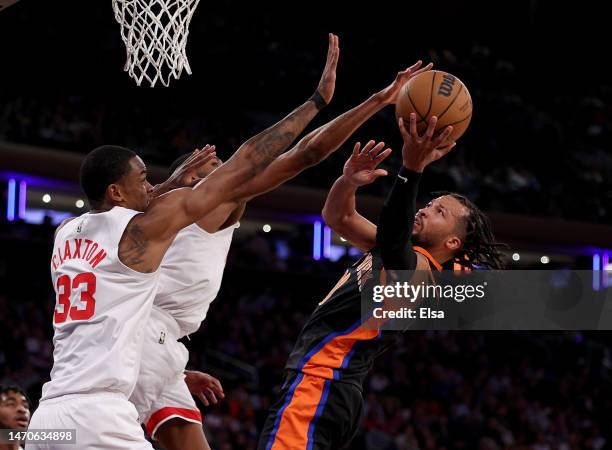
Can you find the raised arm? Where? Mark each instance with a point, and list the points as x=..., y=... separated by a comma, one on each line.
x=323, y=141
x=148, y=235
x=340, y=211
x=394, y=232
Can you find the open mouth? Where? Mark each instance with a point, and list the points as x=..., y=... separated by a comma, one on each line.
x=418, y=225
x=22, y=422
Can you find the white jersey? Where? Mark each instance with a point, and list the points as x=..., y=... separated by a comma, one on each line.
x=102, y=307
x=191, y=274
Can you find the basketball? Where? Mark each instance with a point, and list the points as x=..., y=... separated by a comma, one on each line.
x=440, y=94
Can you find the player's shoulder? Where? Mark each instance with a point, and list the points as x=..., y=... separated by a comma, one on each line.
x=165, y=202
x=422, y=262
x=62, y=224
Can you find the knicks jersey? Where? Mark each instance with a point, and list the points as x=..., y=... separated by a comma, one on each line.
x=337, y=342
x=191, y=274
x=101, y=309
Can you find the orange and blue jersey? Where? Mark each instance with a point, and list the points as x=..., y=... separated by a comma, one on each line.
x=337, y=343
x=327, y=366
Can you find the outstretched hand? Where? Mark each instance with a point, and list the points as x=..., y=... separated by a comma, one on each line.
x=361, y=168
x=390, y=93
x=180, y=177
x=327, y=84
x=421, y=150
x=204, y=386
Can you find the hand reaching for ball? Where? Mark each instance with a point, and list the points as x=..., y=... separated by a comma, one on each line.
x=421, y=150
x=390, y=93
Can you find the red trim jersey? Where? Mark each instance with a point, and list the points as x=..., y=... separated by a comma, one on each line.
x=101, y=309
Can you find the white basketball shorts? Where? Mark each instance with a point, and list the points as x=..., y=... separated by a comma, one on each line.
x=161, y=393
x=103, y=421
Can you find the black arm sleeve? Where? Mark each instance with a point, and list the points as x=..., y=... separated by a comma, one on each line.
x=394, y=232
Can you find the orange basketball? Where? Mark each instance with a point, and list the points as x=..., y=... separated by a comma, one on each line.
x=436, y=93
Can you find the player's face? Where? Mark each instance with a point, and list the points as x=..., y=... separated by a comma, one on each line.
x=134, y=186
x=14, y=411
x=439, y=223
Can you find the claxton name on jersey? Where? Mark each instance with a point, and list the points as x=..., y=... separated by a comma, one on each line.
x=84, y=249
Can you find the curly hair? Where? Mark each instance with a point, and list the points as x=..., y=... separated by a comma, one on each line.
x=480, y=249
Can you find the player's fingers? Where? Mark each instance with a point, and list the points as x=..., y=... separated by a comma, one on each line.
x=197, y=154
x=367, y=148
x=414, y=67
x=217, y=390
x=193, y=155
x=441, y=139
x=402, y=128
x=380, y=173
x=187, y=163
x=216, y=385
x=356, y=149
x=210, y=150
x=201, y=157
x=331, y=53
x=203, y=398
x=219, y=386
x=437, y=154
x=199, y=161
x=448, y=149
x=376, y=149
x=431, y=127
x=336, y=51
x=204, y=160
x=413, y=126
x=382, y=156
x=423, y=69
x=211, y=396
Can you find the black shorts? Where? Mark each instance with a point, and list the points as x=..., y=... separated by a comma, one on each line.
x=312, y=413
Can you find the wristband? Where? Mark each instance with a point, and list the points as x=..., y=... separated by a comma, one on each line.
x=404, y=175
x=318, y=100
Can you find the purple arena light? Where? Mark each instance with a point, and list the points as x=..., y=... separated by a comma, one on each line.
x=316, y=241
x=21, y=212
x=10, y=204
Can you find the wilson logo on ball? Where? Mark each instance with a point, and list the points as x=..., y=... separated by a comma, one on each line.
x=448, y=82
x=436, y=93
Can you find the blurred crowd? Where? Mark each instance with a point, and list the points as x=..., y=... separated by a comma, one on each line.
x=432, y=390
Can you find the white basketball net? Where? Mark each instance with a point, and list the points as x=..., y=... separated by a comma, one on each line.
x=155, y=36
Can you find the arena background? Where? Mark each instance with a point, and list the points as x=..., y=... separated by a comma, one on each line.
x=536, y=157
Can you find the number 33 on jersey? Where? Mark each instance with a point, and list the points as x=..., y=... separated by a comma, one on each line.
x=75, y=296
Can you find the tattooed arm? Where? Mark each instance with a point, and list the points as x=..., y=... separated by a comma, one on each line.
x=259, y=151
x=148, y=235
x=319, y=144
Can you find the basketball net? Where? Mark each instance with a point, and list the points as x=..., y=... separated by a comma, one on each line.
x=155, y=36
